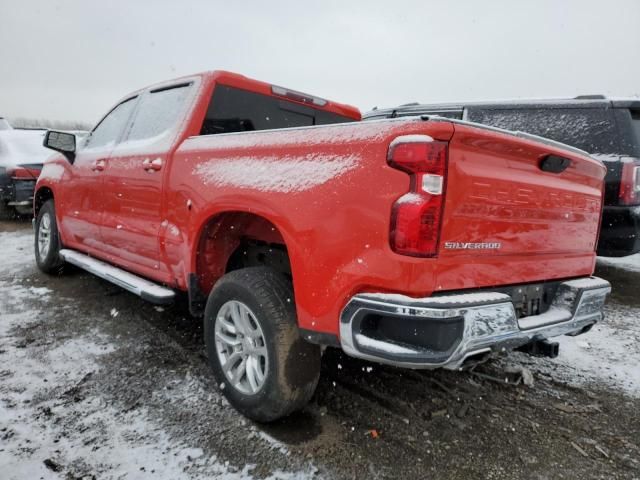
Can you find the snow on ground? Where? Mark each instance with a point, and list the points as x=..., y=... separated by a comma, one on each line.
x=32, y=384
x=46, y=416
x=608, y=353
x=16, y=250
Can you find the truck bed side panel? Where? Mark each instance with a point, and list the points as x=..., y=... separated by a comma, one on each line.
x=329, y=191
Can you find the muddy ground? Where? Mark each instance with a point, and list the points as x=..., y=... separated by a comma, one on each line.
x=96, y=383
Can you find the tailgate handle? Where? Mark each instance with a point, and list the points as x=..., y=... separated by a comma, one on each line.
x=554, y=164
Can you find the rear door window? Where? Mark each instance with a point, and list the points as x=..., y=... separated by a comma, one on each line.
x=590, y=129
x=109, y=129
x=235, y=110
x=158, y=112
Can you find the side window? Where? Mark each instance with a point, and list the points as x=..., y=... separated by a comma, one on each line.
x=158, y=112
x=108, y=130
x=590, y=129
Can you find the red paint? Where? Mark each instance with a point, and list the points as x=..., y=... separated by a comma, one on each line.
x=170, y=222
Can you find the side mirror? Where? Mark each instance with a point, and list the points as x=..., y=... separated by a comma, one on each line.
x=62, y=142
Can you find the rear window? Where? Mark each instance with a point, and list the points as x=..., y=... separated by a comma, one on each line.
x=590, y=129
x=235, y=110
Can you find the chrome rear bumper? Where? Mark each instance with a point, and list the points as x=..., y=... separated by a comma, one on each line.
x=444, y=331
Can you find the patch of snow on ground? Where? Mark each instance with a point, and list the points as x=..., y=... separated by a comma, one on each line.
x=47, y=414
x=17, y=252
x=607, y=354
x=275, y=174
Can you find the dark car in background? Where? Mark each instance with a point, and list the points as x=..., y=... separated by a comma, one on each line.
x=21, y=158
x=609, y=129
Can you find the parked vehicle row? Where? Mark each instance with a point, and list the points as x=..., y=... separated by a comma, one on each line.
x=21, y=157
x=422, y=242
x=608, y=129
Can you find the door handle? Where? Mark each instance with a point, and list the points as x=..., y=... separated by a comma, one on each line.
x=99, y=165
x=152, y=165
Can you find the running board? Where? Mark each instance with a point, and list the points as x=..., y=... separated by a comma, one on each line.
x=146, y=289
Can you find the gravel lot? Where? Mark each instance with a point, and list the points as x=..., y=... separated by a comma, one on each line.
x=96, y=383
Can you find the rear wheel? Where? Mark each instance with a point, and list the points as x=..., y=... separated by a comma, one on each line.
x=265, y=368
x=47, y=240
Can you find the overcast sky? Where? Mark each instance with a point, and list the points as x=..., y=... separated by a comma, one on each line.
x=71, y=60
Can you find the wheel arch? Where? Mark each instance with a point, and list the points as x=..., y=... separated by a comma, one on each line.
x=235, y=238
x=42, y=195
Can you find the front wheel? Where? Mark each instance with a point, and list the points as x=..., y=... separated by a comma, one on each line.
x=265, y=368
x=47, y=240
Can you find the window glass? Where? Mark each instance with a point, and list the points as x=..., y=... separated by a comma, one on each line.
x=235, y=110
x=108, y=130
x=590, y=129
x=635, y=123
x=158, y=112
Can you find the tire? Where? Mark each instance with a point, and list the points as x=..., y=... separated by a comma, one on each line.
x=7, y=212
x=48, y=259
x=290, y=366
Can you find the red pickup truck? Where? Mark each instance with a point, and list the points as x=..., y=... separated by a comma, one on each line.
x=420, y=242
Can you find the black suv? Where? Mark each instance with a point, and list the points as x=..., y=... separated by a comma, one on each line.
x=608, y=129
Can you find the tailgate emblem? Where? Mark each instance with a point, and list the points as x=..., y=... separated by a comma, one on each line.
x=472, y=245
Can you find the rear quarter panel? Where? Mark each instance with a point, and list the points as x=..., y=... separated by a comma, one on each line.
x=329, y=192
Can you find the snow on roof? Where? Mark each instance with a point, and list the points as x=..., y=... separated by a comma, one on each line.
x=19, y=146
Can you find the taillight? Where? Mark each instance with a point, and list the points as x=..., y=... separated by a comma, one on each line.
x=417, y=215
x=21, y=173
x=630, y=184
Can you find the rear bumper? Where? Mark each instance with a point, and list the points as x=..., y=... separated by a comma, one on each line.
x=23, y=192
x=444, y=331
x=620, y=231
x=17, y=192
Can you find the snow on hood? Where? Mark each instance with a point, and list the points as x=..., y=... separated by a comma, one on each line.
x=18, y=147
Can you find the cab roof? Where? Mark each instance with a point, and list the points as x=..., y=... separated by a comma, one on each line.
x=581, y=101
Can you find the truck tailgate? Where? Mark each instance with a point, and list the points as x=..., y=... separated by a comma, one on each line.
x=500, y=201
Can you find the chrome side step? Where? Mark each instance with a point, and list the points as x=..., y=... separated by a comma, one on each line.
x=144, y=288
